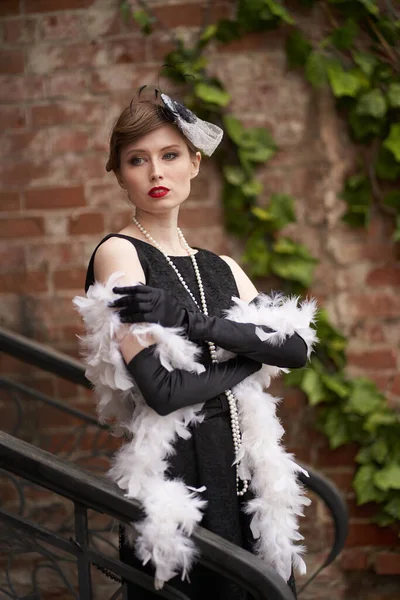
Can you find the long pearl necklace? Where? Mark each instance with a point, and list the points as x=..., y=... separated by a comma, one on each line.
x=236, y=435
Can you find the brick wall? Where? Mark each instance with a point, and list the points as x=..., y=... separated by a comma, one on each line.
x=64, y=76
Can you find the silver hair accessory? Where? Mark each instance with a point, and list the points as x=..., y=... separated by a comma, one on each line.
x=203, y=135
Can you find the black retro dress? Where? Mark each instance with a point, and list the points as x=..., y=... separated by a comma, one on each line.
x=206, y=458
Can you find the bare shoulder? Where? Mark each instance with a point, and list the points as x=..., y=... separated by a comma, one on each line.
x=247, y=290
x=117, y=254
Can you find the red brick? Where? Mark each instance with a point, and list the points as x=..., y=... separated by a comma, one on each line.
x=22, y=173
x=367, y=534
x=12, y=260
x=14, y=228
x=37, y=6
x=385, y=358
x=254, y=41
x=23, y=283
x=53, y=198
x=9, y=201
x=354, y=559
x=131, y=50
x=10, y=7
x=11, y=61
x=60, y=26
x=69, y=279
x=11, y=366
x=11, y=117
x=87, y=223
x=342, y=478
x=381, y=381
x=19, y=31
x=395, y=387
x=363, y=511
x=387, y=563
x=200, y=217
x=383, y=276
x=18, y=143
x=68, y=112
x=20, y=88
x=120, y=77
x=66, y=84
x=50, y=256
x=71, y=141
x=343, y=456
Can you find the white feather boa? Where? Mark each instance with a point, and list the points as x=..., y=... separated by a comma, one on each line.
x=172, y=510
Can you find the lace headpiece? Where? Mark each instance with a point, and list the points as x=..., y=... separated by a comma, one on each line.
x=201, y=134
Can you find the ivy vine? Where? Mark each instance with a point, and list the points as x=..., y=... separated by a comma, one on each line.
x=358, y=57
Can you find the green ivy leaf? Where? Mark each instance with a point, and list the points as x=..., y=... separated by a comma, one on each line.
x=346, y=83
x=380, y=450
x=312, y=386
x=392, y=142
x=336, y=385
x=212, y=94
x=143, y=20
x=336, y=427
x=298, y=49
x=388, y=478
x=252, y=188
x=364, y=398
x=392, y=199
x=386, y=166
x=379, y=419
x=208, y=34
x=227, y=31
x=258, y=155
x=233, y=128
x=317, y=69
x=371, y=6
x=393, y=507
x=364, y=455
x=394, y=95
x=281, y=210
x=234, y=175
x=257, y=256
x=366, y=62
x=383, y=520
x=372, y=104
x=364, y=486
x=279, y=11
x=292, y=261
x=343, y=37
x=358, y=196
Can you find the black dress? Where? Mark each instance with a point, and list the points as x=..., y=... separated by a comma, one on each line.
x=206, y=458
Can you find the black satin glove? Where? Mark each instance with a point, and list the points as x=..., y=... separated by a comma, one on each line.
x=153, y=305
x=167, y=391
x=143, y=303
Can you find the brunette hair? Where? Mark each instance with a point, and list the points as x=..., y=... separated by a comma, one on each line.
x=139, y=118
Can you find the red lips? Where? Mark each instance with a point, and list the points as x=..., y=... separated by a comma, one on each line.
x=158, y=192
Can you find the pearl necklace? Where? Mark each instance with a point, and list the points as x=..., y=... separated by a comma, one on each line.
x=236, y=434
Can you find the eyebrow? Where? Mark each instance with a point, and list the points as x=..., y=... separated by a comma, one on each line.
x=161, y=150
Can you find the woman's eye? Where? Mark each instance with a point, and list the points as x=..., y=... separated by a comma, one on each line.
x=137, y=160
x=170, y=155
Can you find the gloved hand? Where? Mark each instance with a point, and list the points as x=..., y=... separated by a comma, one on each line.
x=167, y=391
x=153, y=305
x=145, y=304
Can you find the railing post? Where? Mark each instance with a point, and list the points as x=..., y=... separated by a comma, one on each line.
x=82, y=541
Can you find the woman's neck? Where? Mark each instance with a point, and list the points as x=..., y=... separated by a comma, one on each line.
x=164, y=230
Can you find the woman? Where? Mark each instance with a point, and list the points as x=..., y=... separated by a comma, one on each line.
x=196, y=451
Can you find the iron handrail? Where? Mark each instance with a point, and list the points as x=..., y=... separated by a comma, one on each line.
x=83, y=488
x=68, y=368
x=43, y=356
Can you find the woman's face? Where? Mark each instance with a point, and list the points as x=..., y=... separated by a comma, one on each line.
x=157, y=169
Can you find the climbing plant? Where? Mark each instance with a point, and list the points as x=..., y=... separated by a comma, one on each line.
x=358, y=58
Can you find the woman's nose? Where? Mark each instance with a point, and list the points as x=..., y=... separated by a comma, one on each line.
x=156, y=173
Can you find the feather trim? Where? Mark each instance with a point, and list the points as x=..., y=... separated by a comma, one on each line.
x=173, y=509
x=279, y=497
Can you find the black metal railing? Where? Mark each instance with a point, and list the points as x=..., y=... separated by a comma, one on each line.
x=88, y=491
x=93, y=456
